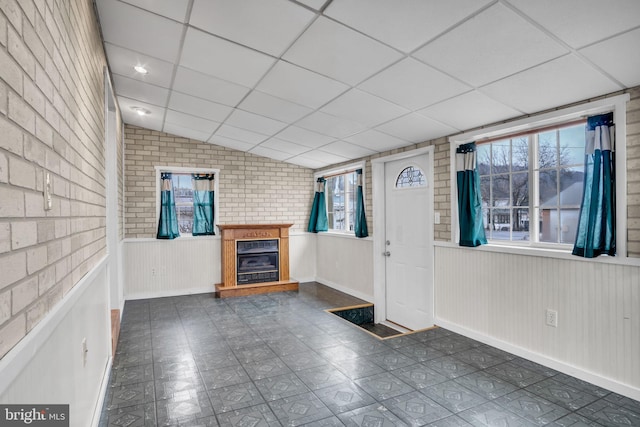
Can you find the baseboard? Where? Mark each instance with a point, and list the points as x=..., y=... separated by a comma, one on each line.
x=97, y=413
x=565, y=368
x=172, y=293
x=348, y=291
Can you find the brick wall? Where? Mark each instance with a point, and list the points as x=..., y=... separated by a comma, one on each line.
x=252, y=189
x=633, y=173
x=51, y=120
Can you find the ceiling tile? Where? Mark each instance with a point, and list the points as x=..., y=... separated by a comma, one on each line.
x=336, y=51
x=482, y=56
x=301, y=86
x=284, y=146
x=613, y=56
x=240, y=134
x=323, y=157
x=314, y=4
x=132, y=118
x=345, y=149
x=191, y=122
x=470, y=110
x=135, y=29
x=263, y=151
x=122, y=61
x=364, y=108
x=223, y=59
x=416, y=128
x=304, y=137
x=272, y=107
x=255, y=123
x=330, y=125
x=377, y=141
x=207, y=87
x=140, y=91
x=186, y=132
x=127, y=105
x=404, y=26
x=231, y=143
x=307, y=162
x=173, y=9
x=413, y=85
x=559, y=82
x=199, y=107
x=582, y=22
x=274, y=25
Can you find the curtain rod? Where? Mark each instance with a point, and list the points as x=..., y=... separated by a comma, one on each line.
x=339, y=173
x=582, y=120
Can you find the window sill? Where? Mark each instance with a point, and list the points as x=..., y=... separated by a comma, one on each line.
x=542, y=252
x=342, y=235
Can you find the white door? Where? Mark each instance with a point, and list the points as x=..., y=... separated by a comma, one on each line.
x=409, y=242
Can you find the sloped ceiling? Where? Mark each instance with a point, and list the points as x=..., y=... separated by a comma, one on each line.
x=315, y=82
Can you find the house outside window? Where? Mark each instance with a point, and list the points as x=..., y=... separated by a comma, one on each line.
x=531, y=184
x=182, y=180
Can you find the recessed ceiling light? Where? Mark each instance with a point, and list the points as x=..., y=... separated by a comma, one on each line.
x=141, y=69
x=141, y=111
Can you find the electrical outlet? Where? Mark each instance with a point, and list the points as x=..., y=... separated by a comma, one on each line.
x=551, y=318
x=153, y=272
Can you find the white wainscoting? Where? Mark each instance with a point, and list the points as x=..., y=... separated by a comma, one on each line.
x=345, y=263
x=157, y=268
x=47, y=367
x=501, y=298
x=302, y=257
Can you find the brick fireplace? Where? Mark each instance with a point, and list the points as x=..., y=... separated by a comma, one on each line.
x=255, y=259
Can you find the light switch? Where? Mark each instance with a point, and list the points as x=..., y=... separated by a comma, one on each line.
x=436, y=217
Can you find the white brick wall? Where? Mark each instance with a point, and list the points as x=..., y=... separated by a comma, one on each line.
x=51, y=119
x=252, y=189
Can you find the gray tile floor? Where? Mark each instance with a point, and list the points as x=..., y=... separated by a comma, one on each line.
x=280, y=360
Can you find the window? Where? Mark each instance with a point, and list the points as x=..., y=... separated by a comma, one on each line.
x=531, y=185
x=183, y=193
x=182, y=180
x=411, y=177
x=341, y=197
x=340, y=191
x=531, y=172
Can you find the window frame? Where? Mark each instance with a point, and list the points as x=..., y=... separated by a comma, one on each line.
x=343, y=170
x=615, y=104
x=188, y=170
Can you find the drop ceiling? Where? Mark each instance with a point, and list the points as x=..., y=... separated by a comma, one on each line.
x=319, y=82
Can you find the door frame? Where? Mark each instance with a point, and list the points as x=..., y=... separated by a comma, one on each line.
x=113, y=241
x=379, y=224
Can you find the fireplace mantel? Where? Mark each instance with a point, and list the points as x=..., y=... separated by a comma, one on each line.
x=231, y=234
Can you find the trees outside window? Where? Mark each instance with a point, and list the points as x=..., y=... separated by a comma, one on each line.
x=531, y=185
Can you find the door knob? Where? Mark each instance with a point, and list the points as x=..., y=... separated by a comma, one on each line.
x=387, y=253
x=388, y=243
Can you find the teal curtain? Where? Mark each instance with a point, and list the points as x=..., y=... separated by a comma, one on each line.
x=596, y=234
x=361, y=219
x=168, y=223
x=469, y=198
x=318, y=219
x=203, y=192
